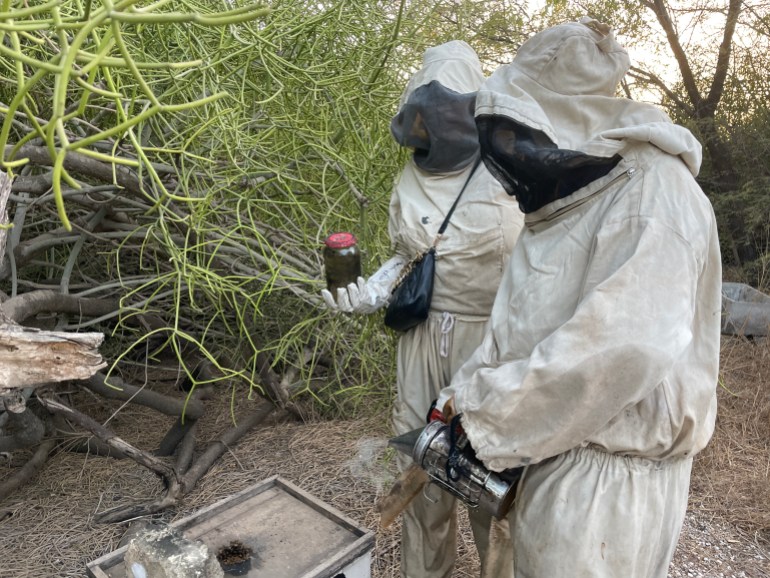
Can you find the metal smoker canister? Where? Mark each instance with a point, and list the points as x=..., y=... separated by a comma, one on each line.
x=476, y=486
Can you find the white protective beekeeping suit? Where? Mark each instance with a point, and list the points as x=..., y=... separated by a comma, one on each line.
x=600, y=366
x=471, y=256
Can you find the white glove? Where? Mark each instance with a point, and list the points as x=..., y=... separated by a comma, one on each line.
x=367, y=296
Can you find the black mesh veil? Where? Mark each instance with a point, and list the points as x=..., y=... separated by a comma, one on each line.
x=531, y=167
x=438, y=124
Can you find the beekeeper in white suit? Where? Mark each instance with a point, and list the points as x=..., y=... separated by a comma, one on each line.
x=599, y=370
x=436, y=120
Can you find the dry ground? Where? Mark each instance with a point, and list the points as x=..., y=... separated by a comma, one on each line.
x=48, y=529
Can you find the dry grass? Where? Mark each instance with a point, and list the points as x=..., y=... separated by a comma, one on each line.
x=731, y=478
x=48, y=530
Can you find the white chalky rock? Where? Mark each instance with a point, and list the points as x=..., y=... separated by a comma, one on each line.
x=166, y=553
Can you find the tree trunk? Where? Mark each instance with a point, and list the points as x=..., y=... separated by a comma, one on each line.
x=702, y=107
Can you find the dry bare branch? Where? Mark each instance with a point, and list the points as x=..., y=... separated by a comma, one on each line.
x=31, y=357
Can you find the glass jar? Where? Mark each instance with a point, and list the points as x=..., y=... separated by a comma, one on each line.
x=342, y=261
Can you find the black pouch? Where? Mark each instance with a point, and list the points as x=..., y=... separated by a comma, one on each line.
x=410, y=301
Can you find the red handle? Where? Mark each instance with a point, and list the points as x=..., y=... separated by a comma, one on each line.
x=436, y=414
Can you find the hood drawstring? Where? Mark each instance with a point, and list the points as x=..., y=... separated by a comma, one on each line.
x=447, y=324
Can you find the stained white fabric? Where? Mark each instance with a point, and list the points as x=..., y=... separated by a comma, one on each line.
x=603, y=345
x=447, y=324
x=621, y=514
x=454, y=64
x=429, y=524
x=471, y=256
x=562, y=82
x=606, y=329
x=475, y=246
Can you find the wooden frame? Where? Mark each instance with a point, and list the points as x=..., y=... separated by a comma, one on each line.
x=351, y=541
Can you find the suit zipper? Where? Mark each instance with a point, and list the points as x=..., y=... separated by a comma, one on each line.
x=625, y=175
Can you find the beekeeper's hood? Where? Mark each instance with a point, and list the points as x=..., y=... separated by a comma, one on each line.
x=436, y=113
x=549, y=122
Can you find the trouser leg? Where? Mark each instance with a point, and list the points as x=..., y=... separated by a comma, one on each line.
x=597, y=515
x=429, y=538
x=429, y=524
x=429, y=535
x=494, y=544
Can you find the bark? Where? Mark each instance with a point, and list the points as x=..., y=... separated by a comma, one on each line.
x=191, y=408
x=31, y=358
x=143, y=458
x=178, y=433
x=186, y=449
x=94, y=447
x=22, y=307
x=186, y=483
x=83, y=165
x=5, y=192
x=219, y=446
x=27, y=428
x=276, y=389
x=71, y=440
x=28, y=471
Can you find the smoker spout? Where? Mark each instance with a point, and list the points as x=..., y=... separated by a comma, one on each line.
x=405, y=443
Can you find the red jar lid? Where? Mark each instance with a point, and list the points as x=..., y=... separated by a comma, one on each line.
x=340, y=240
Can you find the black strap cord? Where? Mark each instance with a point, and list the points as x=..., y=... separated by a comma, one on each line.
x=443, y=226
x=430, y=410
x=454, y=468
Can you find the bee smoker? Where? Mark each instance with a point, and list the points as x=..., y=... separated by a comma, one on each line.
x=444, y=452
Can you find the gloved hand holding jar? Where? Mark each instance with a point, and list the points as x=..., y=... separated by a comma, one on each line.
x=366, y=295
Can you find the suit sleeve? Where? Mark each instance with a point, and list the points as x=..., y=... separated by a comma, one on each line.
x=627, y=331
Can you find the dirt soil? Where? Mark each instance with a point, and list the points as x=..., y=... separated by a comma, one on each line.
x=48, y=529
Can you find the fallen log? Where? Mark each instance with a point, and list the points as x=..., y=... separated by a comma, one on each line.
x=29, y=357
